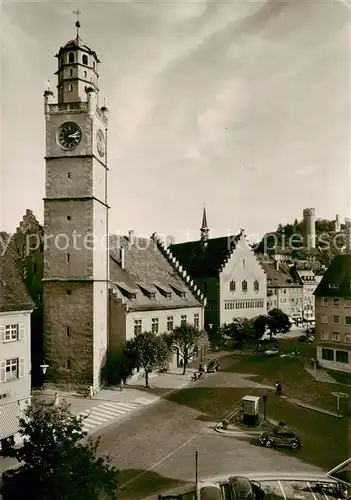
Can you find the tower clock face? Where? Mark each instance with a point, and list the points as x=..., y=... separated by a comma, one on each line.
x=69, y=135
x=100, y=143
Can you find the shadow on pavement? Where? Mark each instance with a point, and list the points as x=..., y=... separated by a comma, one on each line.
x=139, y=484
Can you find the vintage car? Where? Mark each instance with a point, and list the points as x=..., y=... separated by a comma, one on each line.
x=280, y=437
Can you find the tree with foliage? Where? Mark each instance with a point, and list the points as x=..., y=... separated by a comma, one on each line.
x=278, y=322
x=185, y=340
x=260, y=325
x=118, y=367
x=147, y=351
x=239, y=330
x=55, y=464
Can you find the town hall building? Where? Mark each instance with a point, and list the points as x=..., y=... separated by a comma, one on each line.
x=227, y=272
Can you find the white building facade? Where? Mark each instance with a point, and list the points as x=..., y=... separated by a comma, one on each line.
x=16, y=307
x=243, y=285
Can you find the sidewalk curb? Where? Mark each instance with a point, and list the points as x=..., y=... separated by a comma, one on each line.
x=233, y=433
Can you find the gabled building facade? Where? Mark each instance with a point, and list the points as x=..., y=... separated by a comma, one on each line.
x=284, y=289
x=227, y=272
x=333, y=315
x=16, y=307
x=29, y=242
x=149, y=291
x=310, y=281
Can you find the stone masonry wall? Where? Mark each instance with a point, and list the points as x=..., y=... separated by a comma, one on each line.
x=69, y=354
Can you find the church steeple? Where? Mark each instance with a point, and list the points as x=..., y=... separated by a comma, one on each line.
x=204, y=228
x=77, y=69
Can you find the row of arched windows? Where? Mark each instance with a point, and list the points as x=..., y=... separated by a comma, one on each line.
x=244, y=286
x=72, y=59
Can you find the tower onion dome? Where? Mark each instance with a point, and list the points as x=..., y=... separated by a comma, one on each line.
x=77, y=43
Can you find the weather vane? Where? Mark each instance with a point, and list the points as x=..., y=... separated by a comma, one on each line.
x=77, y=12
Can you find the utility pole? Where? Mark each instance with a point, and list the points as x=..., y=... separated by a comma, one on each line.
x=196, y=475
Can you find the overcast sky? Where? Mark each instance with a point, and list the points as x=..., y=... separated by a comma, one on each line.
x=244, y=106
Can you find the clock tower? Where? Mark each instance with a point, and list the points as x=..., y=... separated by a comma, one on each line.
x=76, y=270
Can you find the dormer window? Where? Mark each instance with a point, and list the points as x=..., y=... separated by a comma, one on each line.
x=149, y=292
x=180, y=292
x=333, y=285
x=71, y=57
x=127, y=291
x=85, y=59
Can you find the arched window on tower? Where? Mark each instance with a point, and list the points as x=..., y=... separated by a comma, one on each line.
x=71, y=57
x=244, y=286
x=70, y=72
x=232, y=286
x=85, y=59
x=70, y=87
x=256, y=285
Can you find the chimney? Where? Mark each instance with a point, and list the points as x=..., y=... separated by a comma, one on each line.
x=130, y=235
x=122, y=255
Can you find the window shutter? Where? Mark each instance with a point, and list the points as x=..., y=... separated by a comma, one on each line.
x=2, y=371
x=21, y=331
x=2, y=333
x=21, y=368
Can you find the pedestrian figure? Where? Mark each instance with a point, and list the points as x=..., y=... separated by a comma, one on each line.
x=205, y=368
x=121, y=384
x=57, y=399
x=201, y=368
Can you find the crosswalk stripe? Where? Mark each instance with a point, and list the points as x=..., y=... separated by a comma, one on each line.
x=94, y=418
x=87, y=425
x=120, y=408
x=110, y=411
x=126, y=405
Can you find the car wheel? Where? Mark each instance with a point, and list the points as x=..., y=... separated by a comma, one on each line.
x=294, y=445
x=268, y=444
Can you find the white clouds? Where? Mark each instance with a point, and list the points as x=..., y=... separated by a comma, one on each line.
x=193, y=88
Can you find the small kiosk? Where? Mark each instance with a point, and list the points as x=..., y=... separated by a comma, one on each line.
x=250, y=410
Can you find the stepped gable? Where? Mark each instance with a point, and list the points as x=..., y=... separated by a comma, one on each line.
x=205, y=260
x=14, y=295
x=28, y=223
x=144, y=277
x=339, y=272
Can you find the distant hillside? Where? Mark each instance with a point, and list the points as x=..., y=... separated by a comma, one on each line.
x=288, y=238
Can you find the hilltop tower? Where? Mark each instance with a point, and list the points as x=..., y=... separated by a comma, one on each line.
x=309, y=228
x=75, y=285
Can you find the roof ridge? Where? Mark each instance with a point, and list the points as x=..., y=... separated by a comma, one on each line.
x=176, y=265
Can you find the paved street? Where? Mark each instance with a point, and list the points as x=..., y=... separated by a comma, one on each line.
x=164, y=437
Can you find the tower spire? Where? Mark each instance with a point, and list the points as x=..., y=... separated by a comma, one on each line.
x=77, y=13
x=204, y=227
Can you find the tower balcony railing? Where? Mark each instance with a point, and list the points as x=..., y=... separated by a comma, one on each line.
x=68, y=106
x=75, y=107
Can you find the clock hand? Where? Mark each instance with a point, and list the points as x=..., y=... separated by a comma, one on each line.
x=76, y=134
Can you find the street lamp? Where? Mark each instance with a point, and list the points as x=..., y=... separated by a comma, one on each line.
x=44, y=368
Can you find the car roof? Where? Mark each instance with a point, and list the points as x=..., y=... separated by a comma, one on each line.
x=241, y=484
x=210, y=493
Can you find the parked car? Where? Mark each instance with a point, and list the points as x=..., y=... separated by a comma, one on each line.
x=305, y=338
x=213, y=366
x=243, y=488
x=281, y=437
x=271, y=352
